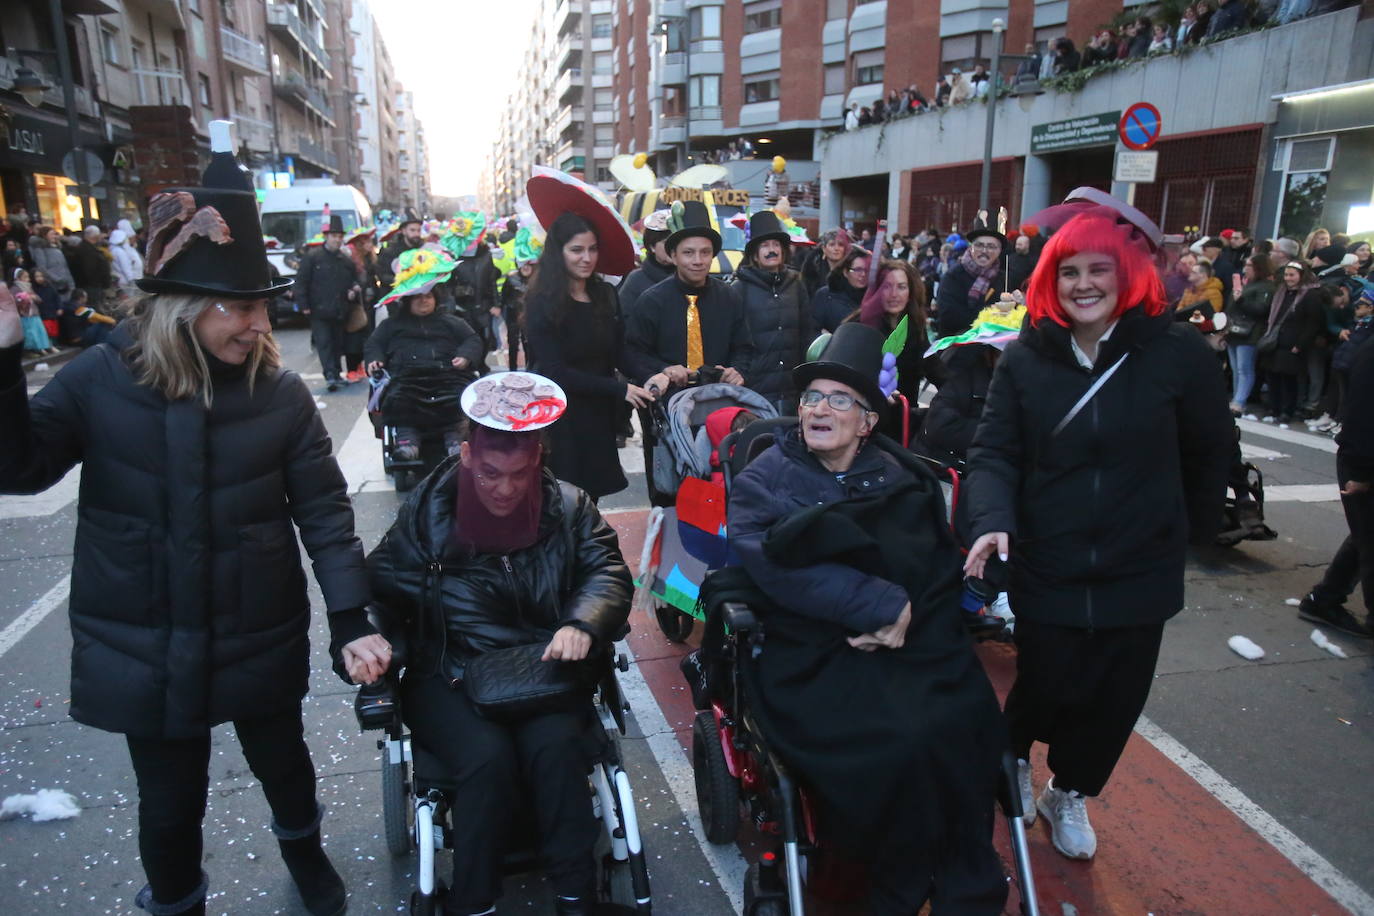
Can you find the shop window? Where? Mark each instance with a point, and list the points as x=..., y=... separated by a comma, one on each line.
x=834, y=79
x=601, y=25
x=704, y=22
x=762, y=15
x=1310, y=155
x=868, y=67
x=761, y=87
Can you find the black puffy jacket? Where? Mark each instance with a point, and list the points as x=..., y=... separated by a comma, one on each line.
x=835, y=301
x=455, y=607
x=188, y=603
x=647, y=274
x=1100, y=515
x=406, y=340
x=957, y=407
x=779, y=317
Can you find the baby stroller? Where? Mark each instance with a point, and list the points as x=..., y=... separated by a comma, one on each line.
x=682, y=541
x=736, y=770
x=423, y=397
x=416, y=811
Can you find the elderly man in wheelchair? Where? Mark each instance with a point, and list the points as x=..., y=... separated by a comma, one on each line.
x=509, y=588
x=864, y=680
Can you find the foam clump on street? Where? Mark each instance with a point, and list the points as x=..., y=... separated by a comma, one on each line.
x=1245, y=647
x=43, y=805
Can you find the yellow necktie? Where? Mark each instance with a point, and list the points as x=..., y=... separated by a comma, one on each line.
x=694, y=354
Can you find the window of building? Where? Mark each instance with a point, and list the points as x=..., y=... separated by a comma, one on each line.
x=109, y=46
x=228, y=11
x=704, y=91
x=836, y=9
x=761, y=87
x=762, y=15
x=868, y=67
x=193, y=6
x=601, y=25
x=603, y=172
x=834, y=79
x=705, y=22
x=603, y=99
x=964, y=51
x=601, y=62
x=672, y=102
x=603, y=135
x=203, y=87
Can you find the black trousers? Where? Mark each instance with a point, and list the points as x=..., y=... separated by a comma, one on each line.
x=174, y=777
x=1080, y=692
x=495, y=768
x=1354, y=559
x=327, y=337
x=964, y=878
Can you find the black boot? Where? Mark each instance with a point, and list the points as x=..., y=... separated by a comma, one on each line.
x=320, y=887
x=193, y=904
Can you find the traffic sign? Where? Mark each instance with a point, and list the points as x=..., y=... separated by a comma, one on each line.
x=1140, y=126
x=1136, y=167
x=95, y=169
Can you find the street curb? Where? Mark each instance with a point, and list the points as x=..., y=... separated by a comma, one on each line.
x=65, y=355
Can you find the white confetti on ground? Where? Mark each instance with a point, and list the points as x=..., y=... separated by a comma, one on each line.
x=43, y=805
x=1320, y=640
x=1245, y=647
x=1292, y=602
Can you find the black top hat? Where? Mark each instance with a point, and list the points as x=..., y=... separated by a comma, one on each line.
x=696, y=223
x=854, y=357
x=208, y=242
x=764, y=225
x=989, y=232
x=335, y=224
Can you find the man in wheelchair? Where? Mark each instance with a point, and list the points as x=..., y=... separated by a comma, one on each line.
x=494, y=566
x=865, y=684
x=429, y=355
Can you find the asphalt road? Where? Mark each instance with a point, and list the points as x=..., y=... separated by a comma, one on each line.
x=1291, y=735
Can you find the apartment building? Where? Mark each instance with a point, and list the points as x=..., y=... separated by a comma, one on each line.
x=412, y=157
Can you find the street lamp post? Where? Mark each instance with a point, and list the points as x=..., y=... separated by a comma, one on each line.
x=994, y=79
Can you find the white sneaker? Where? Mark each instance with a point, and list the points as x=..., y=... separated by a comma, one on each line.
x=1067, y=813
x=1001, y=609
x=1319, y=421
x=1027, y=787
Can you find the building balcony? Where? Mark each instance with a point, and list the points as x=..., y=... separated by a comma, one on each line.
x=672, y=69
x=568, y=52
x=316, y=155
x=287, y=23
x=569, y=84
x=255, y=132
x=568, y=115
x=243, y=52
x=567, y=16
x=293, y=88
x=160, y=87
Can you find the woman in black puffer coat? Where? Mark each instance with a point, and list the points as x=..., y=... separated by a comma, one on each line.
x=188, y=602
x=491, y=552
x=843, y=293
x=1094, y=483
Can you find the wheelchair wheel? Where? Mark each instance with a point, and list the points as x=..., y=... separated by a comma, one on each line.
x=717, y=793
x=675, y=625
x=395, y=807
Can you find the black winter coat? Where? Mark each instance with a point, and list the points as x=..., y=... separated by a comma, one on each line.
x=457, y=606
x=779, y=316
x=91, y=269
x=188, y=603
x=954, y=312
x=647, y=274
x=958, y=406
x=411, y=340
x=834, y=302
x=1101, y=514
x=323, y=282
x=1355, y=455
x=1302, y=323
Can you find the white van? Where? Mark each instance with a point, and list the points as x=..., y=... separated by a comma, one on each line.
x=295, y=214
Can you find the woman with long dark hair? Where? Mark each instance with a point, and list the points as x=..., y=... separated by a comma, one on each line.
x=576, y=336
x=898, y=293
x=1102, y=452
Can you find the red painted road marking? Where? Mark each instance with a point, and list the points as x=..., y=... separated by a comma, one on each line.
x=1165, y=845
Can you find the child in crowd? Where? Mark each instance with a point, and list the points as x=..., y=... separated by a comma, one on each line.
x=719, y=424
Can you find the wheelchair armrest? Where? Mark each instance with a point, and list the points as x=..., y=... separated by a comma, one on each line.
x=738, y=617
x=375, y=704
x=393, y=631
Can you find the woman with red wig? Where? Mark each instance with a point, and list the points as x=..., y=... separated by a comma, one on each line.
x=1102, y=452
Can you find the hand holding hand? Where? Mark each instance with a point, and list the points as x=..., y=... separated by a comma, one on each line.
x=982, y=550
x=638, y=397
x=460, y=362
x=367, y=658
x=892, y=636
x=569, y=644
x=730, y=375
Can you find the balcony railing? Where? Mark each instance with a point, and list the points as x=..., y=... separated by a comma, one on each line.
x=241, y=50
x=293, y=86
x=256, y=132
x=161, y=87
x=313, y=152
x=285, y=18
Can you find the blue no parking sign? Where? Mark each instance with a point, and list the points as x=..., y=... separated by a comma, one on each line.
x=1140, y=126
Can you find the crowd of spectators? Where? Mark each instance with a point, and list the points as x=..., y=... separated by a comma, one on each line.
x=68, y=285
x=1141, y=36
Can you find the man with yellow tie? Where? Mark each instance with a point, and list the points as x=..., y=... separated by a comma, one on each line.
x=690, y=320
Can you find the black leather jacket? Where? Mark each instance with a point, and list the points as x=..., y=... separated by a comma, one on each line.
x=455, y=607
